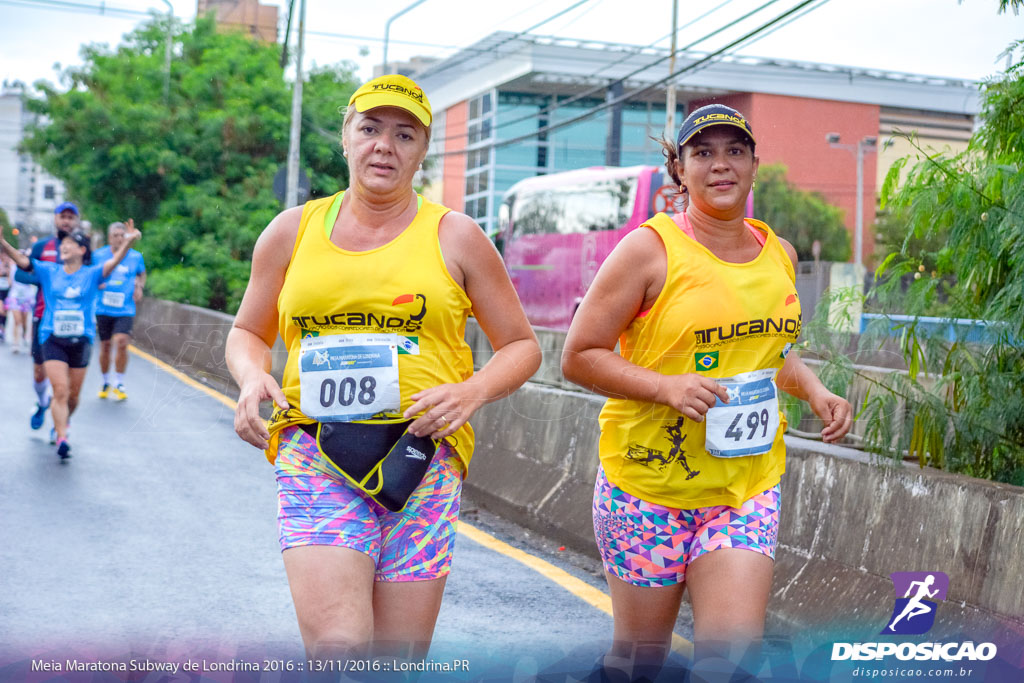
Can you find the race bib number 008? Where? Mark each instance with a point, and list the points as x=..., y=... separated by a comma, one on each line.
x=348, y=377
x=68, y=323
x=747, y=424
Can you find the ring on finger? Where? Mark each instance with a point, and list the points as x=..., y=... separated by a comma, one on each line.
x=445, y=421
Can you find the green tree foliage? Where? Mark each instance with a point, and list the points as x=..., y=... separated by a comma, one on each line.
x=961, y=405
x=801, y=217
x=891, y=235
x=195, y=170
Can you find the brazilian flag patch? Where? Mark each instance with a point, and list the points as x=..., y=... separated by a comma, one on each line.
x=706, y=361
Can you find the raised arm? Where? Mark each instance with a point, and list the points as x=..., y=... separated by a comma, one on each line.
x=22, y=261
x=255, y=328
x=474, y=262
x=131, y=236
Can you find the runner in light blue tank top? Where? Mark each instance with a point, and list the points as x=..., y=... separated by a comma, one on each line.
x=115, y=310
x=70, y=290
x=70, y=300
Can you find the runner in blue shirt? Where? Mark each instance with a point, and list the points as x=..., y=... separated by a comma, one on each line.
x=65, y=220
x=115, y=311
x=67, y=329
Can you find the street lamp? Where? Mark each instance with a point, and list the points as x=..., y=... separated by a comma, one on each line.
x=864, y=145
x=387, y=31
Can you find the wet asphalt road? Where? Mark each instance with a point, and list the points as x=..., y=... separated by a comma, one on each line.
x=158, y=538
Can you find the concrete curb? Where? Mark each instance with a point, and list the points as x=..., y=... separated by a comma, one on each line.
x=847, y=523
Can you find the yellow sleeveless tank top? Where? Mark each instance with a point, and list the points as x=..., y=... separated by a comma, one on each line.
x=402, y=288
x=721, y=320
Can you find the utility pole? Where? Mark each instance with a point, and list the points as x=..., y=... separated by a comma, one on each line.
x=291, y=195
x=167, y=50
x=670, y=87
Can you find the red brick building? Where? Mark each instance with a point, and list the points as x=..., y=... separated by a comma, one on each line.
x=495, y=125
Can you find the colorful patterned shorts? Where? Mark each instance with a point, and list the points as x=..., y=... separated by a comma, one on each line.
x=646, y=544
x=317, y=506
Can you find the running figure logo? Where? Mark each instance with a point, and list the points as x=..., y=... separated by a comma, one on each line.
x=914, y=613
x=652, y=456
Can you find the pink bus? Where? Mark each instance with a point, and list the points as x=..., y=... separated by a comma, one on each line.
x=555, y=230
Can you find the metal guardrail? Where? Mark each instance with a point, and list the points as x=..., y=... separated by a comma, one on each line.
x=952, y=329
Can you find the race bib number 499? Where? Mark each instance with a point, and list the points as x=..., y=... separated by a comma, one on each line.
x=747, y=424
x=348, y=377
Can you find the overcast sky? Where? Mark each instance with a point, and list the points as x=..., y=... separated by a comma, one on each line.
x=934, y=37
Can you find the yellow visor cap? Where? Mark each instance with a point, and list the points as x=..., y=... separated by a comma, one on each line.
x=393, y=90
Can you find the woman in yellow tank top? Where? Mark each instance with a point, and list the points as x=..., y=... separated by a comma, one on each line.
x=370, y=290
x=705, y=310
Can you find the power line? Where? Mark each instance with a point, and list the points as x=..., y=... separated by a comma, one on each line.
x=476, y=51
x=66, y=5
x=578, y=17
x=103, y=9
x=786, y=23
x=518, y=14
x=600, y=88
x=630, y=95
x=493, y=48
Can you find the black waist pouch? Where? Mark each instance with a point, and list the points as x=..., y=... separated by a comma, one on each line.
x=380, y=457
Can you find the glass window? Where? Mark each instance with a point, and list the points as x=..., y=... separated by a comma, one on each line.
x=474, y=108
x=479, y=207
x=486, y=104
x=49, y=192
x=505, y=178
x=605, y=205
x=520, y=154
x=566, y=157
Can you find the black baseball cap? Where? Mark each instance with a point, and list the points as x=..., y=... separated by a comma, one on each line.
x=712, y=115
x=82, y=240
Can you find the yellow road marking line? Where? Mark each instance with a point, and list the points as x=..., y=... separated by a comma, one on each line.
x=592, y=596
x=183, y=377
x=581, y=589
